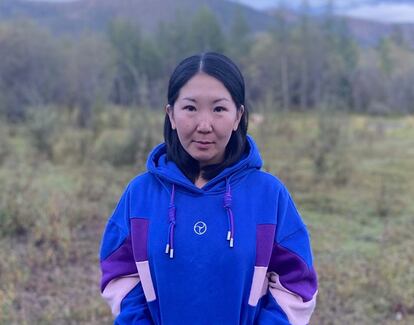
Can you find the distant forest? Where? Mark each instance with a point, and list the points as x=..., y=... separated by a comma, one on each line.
x=311, y=64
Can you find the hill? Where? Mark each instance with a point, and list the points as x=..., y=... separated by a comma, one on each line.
x=74, y=17
x=94, y=15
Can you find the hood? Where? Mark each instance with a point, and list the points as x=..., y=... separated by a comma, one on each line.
x=168, y=171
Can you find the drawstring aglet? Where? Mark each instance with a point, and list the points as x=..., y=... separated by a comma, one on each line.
x=172, y=253
x=231, y=242
x=228, y=235
x=167, y=249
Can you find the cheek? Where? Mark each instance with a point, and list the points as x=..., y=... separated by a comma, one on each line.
x=224, y=133
x=227, y=128
x=183, y=125
x=183, y=128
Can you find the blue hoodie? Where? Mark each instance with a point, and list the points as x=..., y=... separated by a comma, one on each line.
x=233, y=252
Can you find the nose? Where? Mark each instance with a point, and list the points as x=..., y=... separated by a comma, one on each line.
x=204, y=124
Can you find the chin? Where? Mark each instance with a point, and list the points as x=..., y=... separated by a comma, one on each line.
x=203, y=160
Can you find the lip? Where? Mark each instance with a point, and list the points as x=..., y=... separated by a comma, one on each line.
x=203, y=142
x=203, y=145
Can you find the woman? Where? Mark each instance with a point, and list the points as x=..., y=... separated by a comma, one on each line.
x=204, y=236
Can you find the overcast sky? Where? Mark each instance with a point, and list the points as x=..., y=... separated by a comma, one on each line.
x=397, y=13
x=386, y=12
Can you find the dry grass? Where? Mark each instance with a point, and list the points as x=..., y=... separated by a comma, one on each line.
x=351, y=176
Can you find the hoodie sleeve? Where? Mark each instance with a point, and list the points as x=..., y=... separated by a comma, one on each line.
x=292, y=280
x=120, y=282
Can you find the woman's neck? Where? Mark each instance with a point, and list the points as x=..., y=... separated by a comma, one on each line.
x=200, y=182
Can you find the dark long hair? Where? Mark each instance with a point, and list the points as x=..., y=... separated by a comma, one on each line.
x=223, y=69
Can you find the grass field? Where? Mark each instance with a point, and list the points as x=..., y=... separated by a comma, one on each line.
x=352, y=178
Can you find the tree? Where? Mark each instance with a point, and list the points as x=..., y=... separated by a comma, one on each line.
x=173, y=40
x=282, y=35
x=304, y=66
x=30, y=68
x=206, y=33
x=138, y=63
x=240, y=39
x=89, y=72
x=341, y=59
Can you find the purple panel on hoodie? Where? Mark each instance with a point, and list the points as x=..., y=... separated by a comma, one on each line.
x=264, y=243
x=139, y=231
x=119, y=263
x=293, y=272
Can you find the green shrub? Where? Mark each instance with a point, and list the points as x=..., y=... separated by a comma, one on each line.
x=131, y=144
x=329, y=149
x=4, y=144
x=72, y=146
x=112, y=146
x=16, y=213
x=41, y=125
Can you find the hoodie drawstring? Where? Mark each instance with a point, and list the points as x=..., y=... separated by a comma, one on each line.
x=227, y=206
x=169, y=249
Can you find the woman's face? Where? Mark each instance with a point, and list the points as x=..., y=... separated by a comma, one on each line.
x=204, y=116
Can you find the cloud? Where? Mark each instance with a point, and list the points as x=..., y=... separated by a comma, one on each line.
x=51, y=0
x=262, y=4
x=392, y=13
x=258, y=4
x=366, y=9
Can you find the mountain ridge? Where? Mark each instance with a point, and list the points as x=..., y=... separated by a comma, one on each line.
x=94, y=15
x=73, y=17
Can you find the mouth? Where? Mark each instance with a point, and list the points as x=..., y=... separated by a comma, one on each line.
x=204, y=142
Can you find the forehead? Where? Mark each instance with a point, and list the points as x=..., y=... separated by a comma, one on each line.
x=204, y=86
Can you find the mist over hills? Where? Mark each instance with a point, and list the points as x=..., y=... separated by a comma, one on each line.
x=73, y=17
x=317, y=4
x=95, y=53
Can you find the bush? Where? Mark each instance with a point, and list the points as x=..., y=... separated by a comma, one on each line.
x=4, y=144
x=111, y=146
x=16, y=214
x=329, y=149
x=72, y=146
x=131, y=144
x=387, y=200
x=41, y=126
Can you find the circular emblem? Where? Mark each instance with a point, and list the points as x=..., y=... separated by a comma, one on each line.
x=200, y=228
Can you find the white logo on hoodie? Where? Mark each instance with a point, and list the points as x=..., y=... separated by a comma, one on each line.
x=200, y=228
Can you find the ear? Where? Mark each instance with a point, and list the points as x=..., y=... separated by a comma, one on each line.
x=239, y=115
x=170, y=112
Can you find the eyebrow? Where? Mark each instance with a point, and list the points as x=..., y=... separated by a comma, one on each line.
x=214, y=101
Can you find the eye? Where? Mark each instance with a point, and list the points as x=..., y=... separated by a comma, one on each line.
x=219, y=109
x=189, y=108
